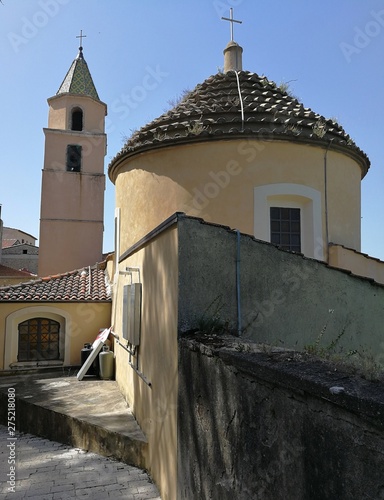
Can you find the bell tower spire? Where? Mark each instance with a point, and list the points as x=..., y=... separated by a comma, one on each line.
x=73, y=180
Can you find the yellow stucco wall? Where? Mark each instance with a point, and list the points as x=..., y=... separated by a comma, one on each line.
x=13, y=280
x=216, y=180
x=80, y=323
x=93, y=150
x=60, y=109
x=154, y=406
x=358, y=263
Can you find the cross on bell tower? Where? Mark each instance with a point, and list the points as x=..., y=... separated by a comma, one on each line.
x=81, y=36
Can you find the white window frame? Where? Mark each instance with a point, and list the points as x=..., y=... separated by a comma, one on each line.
x=289, y=195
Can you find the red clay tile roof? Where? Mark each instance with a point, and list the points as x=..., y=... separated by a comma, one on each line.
x=88, y=284
x=212, y=111
x=9, y=242
x=10, y=272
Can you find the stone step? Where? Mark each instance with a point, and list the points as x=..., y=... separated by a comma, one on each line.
x=90, y=414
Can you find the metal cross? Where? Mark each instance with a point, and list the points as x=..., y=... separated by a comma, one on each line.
x=231, y=20
x=81, y=36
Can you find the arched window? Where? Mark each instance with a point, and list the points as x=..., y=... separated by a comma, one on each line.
x=77, y=119
x=39, y=340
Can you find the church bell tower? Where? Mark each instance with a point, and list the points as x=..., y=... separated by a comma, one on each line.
x=73, y=180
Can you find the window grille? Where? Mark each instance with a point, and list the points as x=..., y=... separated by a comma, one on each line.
x=285, y=228
x=39, y=340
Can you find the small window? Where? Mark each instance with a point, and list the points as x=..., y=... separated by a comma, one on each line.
x=285, y=228
x=73, y=158
x=77, y=119
x=25, y=251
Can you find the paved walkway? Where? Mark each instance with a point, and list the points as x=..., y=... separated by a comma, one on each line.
x=47, y=470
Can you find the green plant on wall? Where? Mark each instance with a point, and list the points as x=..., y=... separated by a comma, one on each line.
x=356, y=360
x=211, y=320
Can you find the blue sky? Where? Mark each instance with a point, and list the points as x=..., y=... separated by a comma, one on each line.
x=331, y=51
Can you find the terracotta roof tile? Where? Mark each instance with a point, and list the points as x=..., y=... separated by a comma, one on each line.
x=213, y=109
x=9, y=242
x=88, y=284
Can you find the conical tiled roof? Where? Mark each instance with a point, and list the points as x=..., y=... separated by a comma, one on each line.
x=78, y=80
x=214, y=110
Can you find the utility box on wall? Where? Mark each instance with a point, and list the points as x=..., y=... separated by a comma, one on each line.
x=132, y=313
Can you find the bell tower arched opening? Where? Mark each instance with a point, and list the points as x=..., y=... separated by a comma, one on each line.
x=77, y=119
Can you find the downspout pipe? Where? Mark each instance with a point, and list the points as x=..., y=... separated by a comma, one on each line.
x=326, y=199
x=238, y=283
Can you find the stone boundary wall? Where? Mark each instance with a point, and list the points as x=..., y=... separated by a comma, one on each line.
x=286, y=299
x=274, y=426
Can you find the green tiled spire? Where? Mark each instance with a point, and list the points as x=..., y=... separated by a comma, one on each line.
x=78, y=80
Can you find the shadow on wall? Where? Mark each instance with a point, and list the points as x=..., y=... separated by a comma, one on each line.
x=268, y=427
x=286, y=299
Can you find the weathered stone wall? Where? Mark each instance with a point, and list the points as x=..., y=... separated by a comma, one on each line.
x=266, y=426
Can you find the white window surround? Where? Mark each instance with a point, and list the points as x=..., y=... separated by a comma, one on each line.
x=12, y=332
x=291, y=196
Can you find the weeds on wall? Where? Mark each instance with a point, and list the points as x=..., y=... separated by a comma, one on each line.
x=355, y=361
x=211, y=320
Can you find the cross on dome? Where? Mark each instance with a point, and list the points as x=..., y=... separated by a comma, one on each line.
x=231, y=20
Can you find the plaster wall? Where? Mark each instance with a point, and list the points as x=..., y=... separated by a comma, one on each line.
x=81, y=196
x=83, y=245
x=358, y=263
x=92, y=154
x=72, y=204
x=148, y=379
x=60, y=108
x=285, y=299
x=215, y=180
x=13, y=280
x=80, y=323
